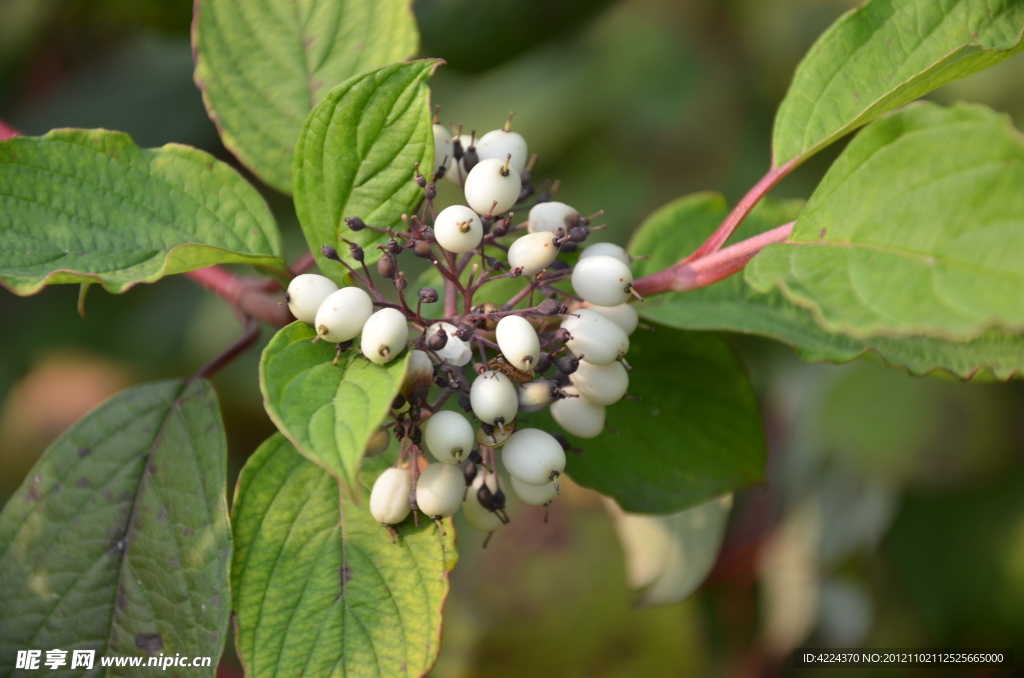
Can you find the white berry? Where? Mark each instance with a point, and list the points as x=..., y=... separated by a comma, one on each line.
x=498, y=144
x=384, y=335
x=518, y=342
x=418, y=375
x=458, y=229
x=389, y=498
x=449, y=436
x=602, y=280
x=533, y=252
x=477, y=516
x=493, y=398
x=378, y=443
x=535, y=395
x=440, y=489
x=578, y=416
x=343, y=314
x=623, y=315
x=606, y=249
x=490, y=182
x=601, y=384
x=534, y=495
x=305, y=294
x=533, y=456
x=552, y=217
x=595, y=337
x=456, y=351
x=442, y=147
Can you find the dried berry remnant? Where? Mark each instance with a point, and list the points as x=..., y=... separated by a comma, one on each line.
x=428, y=295
x=552, y=307
x=355, y=223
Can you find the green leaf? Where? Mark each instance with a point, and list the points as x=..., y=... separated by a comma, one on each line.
x=328, y=411
x=118, y=541
x=917, y=229
x=886, y=54
x=355, y=157
x=677, y=229
x=263, y=66
x=696, y=434
x=320, y=589
x=91, y=206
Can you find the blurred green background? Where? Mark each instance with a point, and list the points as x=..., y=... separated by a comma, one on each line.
x=894, y=515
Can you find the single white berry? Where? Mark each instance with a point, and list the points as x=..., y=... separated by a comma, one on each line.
x=389, y=498
x=518, y=342
x=533, y=252
x=498, y=144
x=534, y=495
x=533, y=456
x=477, y=516
x=578, y=416
x=453, y=173
x=595, y=337
x=440, y=489
x=458, y=229
x=418, y=374
x=378, y=443
x=602, y=280
x=601, y=384
x=623, y=315
x=489, y=182
x=493, y=398
x=305, y=294
x=442, y=147
x=343, y=314
x=552, y=217
x=535, y=395
x=384, y=335
x=606, y=249
x=456, y=351
x=449, y=436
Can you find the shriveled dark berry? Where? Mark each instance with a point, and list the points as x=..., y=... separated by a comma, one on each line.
x=464, y=403
x=567, y=247
x=470, y=159
x=422, y=250
x=562, y=335
x=428, y=295
x=578, y=233
x=544, y=364
x=438, y=340
x=567, y=364
x=393, y=246
x=399, y=402
x=552, y=307
x=330, y=253
x=416, y=436
x=559, y=265
x=387, y=266
x=465, y=332
x=355, y=223
x=469, y=471
x=356, y=251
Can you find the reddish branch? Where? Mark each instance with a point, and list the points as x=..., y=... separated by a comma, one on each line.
x=248, y=296
x=742, y=209
x=7, y=132
x=692, y=274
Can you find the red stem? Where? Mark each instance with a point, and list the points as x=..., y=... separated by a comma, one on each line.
x=7, y=132
x=711, y=268
x=248, y=297
x=742, y=209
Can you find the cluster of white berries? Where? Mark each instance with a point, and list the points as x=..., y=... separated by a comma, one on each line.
x=583, y=336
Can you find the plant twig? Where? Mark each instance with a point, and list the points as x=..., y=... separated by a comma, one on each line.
x=248, y=338
x=742, y=209
x=7, y=132
x=246, y=296
x=711, y=268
